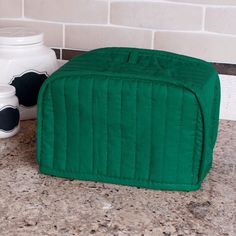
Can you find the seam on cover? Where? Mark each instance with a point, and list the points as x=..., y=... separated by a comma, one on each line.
x=92, y=129
x=200, y=163
x=104, y=176
x=53, y=125
x=39, y=127
x=121, y=129
x=201, y=123
x=151, y=148
x=180, y=132
x=42, y=128
x=66, y=136
x=203, y=144
x=39, y=141
x=53, y=163
x=164, y=138
x=66, y=122
x=195, y=145
x=135, y=150
x=214, y=114
x=107, y=129
x=135, y=136
x=78, y=136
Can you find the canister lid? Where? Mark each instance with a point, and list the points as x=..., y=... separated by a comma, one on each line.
x=19, y=36
x=7, y=90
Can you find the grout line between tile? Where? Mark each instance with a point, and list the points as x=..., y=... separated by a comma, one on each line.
x=120, y=26
x=109, y=12
x=220, y=5
x=63, y=35
x=203, y=19
x=152, y=41
x=23, y=9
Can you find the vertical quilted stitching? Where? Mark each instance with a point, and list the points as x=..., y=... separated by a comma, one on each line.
x=135, y=130
x=73, y=120
x=72, y=125
x=114, y=138
x=103, y=166
x=107, y=119
x=157, y=131
x=121, y=127
x=92, y=128
x=66, y=123
x=136, y=115
x=151, y=133
x=129, y=133
x=85, y=127
x=164, y=135
x=66, y=128
x=60, y=126
x=77, y=164
x=79, y=124
x=143, y=131
x=100, y=126
x=53, y=127
x=195, y=147
x=178, y=156
x=54, y=134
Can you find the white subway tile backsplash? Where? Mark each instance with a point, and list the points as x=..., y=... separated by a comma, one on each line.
x=10, y=8
x=182, y=25
x=210, y=47
x=156, y=15
x=78, y=11
x=221, y=20
x=52, y=32
x=89, y=37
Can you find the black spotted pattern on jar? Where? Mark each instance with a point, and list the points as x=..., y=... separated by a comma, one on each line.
x=27, y=87
x=9, y=118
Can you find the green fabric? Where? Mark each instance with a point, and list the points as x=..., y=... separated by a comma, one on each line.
x=130, y=116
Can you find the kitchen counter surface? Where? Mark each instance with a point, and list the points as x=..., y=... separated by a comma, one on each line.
x=36, y=204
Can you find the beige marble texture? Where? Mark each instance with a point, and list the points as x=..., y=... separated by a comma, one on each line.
x=36, y=204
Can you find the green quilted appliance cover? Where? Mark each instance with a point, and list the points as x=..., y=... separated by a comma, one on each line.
x=130, y=116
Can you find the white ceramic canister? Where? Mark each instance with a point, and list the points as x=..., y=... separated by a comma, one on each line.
x=9, y=111
x=25, y=63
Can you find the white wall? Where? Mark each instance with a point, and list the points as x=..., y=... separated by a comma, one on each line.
x=228, y=97
x=200, y=28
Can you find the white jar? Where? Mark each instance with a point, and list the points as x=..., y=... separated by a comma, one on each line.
x=9, y=111
x=25, y=63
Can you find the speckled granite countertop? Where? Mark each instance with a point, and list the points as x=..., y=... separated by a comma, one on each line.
x=36, y=204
